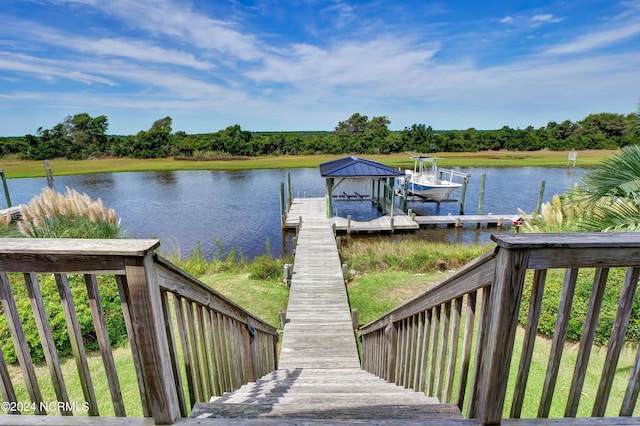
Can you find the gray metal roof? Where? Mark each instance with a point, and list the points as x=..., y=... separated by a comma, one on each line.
x=354, y=167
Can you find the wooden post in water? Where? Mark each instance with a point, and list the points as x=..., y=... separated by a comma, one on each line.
x=47, y=171
x=5, y=187
x=289, y=190
x=483, y=179
x=540, y=195
x=463, y=196
x=283, y=213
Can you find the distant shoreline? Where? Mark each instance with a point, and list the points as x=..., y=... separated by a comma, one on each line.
x=26, y=169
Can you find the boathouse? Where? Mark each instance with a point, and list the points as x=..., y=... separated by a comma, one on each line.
x=337, y=171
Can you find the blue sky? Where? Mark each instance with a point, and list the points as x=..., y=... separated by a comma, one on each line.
x=307, y=64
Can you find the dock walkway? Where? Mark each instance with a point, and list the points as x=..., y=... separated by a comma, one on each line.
x=301, y=207
x=319, y=374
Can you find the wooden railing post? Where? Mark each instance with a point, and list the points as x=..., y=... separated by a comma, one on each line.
x=153, y=349
x=506, y=293
x=391, y=332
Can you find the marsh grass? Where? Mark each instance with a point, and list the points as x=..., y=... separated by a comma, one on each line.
x=21, y=168
x=410, y=255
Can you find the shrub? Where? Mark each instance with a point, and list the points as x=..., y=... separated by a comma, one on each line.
x=110, y=304
x=551, y=302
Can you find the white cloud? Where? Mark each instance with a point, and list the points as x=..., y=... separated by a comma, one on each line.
x=47, y=69
x=596, y=40
x=177, y=20
x=506, y=20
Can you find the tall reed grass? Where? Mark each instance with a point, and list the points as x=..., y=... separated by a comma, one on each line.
x=70, y=215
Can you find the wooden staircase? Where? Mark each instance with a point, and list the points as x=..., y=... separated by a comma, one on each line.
x=319, y=377
x=336, y=395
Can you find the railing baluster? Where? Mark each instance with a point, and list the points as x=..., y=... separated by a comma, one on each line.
x=100, y=327
x=173, y=352
x=434, y=350
x=77, y=344
x=558, y=340
x=20, y=342
x=6, y=386
x=215, y=363
x=481, y=342
x=633, y=389
x=616, y=341
x=531, y=331
x=425, y=351
x=453, y=348
x=586, y=341
x=123, y=291
x=202, y=339
x=444, y=346
x=466, y=348
x=186, y=347
x=195, y=351
x=46, y=339
x=419, y=367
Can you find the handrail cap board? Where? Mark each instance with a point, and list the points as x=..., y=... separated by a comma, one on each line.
x=75, y=246
x=577, y=240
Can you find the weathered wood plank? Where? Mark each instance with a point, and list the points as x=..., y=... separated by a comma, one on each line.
x=558, y=341
x=616, y=341
x=453, y=348
x=586, y=341
x=506, y=294
x=531, y=331
x=125, y=301
x=46, y=339
x=102, y=335
x=466, y=347
x=77, y=343
x=147, y=319
x=20, y=343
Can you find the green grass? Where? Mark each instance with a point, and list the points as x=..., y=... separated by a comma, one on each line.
x=20, y=168
x=263, y=299
x=376, y=294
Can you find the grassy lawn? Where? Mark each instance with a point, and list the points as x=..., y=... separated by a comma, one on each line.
x=20, y=169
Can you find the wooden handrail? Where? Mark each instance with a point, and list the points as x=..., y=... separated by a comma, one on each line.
x=417, y=344
x=177, y=326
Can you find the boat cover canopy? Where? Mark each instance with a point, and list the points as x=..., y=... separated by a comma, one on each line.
x=355, y=167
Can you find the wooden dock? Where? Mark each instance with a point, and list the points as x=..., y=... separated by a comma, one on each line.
x=400, y=221
x=499, y=220
x=319, y=376
x=14, y=212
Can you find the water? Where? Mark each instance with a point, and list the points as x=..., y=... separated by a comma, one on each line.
x=241, y=209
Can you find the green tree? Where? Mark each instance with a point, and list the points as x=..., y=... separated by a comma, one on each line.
x=355, y=125
x=634, y=126
x=156, y=142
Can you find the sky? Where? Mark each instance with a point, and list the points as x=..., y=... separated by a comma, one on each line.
x=272, y=65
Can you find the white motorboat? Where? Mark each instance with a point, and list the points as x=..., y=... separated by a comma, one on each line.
x=429, y=182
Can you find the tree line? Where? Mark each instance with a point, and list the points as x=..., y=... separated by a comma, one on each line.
x=82, y=136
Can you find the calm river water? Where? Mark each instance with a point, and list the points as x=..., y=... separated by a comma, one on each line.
x=226, y=209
